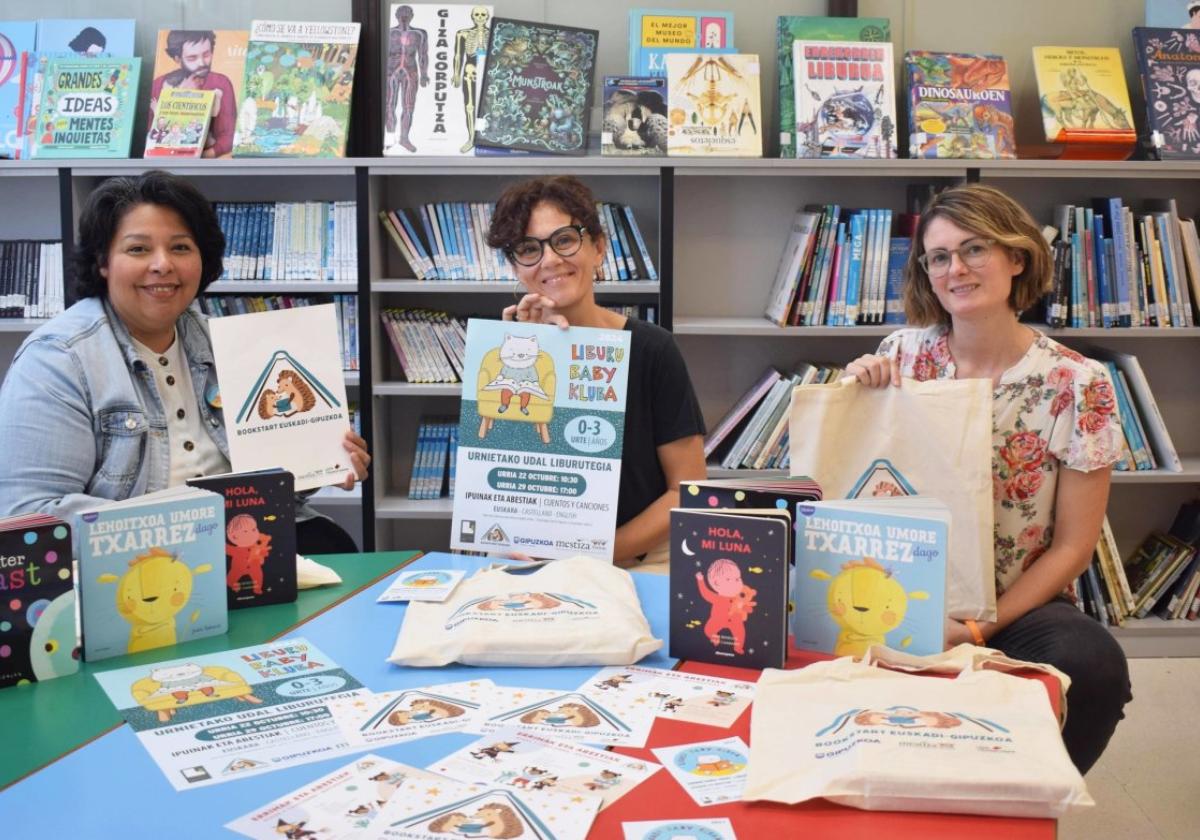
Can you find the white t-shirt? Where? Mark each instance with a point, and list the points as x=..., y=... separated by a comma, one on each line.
x=1052, y=408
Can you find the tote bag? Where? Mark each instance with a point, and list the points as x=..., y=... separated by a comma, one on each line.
x=578, y=611
x=928, y=438
x=984, y=742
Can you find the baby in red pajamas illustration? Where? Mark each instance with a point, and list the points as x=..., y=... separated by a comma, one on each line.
x=732, y=602
x=248, y=550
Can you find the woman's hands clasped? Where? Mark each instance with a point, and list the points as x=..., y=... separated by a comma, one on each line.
x=535, y=308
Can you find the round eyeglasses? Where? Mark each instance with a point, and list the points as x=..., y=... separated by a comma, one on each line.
x=974, y=253
x=565, y=241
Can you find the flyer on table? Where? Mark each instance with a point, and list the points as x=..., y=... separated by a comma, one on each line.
x=220, y=716
x=284, y=393
x=539, y=440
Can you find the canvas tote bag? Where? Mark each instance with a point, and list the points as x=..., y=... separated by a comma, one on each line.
x=578, y=611
x=984, y=742
x=928, y=438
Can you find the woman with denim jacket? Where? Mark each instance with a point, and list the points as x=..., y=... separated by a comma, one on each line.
x=118, y=396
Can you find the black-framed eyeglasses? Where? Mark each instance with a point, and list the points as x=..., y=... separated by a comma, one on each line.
x=973, y=253
x=565, y=241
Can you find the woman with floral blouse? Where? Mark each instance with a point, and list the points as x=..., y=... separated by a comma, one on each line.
x=978, y=259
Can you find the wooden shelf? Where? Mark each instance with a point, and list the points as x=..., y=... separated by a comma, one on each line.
x=503, y=287
x=400, y=507
x=270, y=287
x=417, y=389
x=1156, y=637
x=29, y=168
x=235, y=167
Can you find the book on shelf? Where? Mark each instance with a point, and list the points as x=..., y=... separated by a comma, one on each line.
x=198, y=61
x=751, y=492
x=845, y=99
x=20, y=38
x=714, y=105
x=635, y=116
x=871, y=571
x=1149, y=427
x=657, y=33
x=435, y=63
x=1084, y=101
x=289, y=241
x=647, y=312
x=537, y=88
x=1154, y=569
x=428, y=345
x=86, y=37
x=219, y=306
x=85, y=108
x=31, y=279
x=433, y=457
x=959, y=106
x=150, y=571
x=791, y=28
x=1170, y=13
x=38, y=632
x=1169, y=66
x=180, y=127
x=298, y=81
x=259, y=535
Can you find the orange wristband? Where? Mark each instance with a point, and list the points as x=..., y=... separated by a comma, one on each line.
x=975, y=634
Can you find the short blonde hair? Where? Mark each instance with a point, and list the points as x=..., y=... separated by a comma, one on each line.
x=985, y=211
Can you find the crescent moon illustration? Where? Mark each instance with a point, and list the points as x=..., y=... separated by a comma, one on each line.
x=687, y=550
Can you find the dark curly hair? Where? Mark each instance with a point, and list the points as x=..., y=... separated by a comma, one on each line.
x=106, y=207
x=566, y=192
x=176, y=38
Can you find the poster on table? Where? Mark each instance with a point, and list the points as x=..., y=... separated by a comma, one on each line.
x=214, y=717
x=540, y=435
x=284, y=393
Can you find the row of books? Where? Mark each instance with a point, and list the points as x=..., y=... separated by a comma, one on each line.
x=1148, y=444
x=289, y=241
x=429, y=345
x=647, y=312
x=1116, y=268
x=760, y=419
x=840, y=267
x=31, y=279
x=217, y=306
x=434, y=458
x=448, y=241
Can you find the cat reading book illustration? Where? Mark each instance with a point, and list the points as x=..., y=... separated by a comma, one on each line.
x=517, y=368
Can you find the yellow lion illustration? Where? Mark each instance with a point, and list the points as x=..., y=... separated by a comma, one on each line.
x=867, y=603
x=150, y=593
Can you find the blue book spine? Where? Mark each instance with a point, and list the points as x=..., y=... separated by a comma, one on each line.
x=269, y=256
x=614, y=210
x=1078, y=307
x=453, y=457
x=1102, y=290
x=474, y=271
x=1116, y=224
x=1162, y=224
x=615, y=242
x=641, y=243
x=1129, y=424
x=854, y=278
x=898, y=250
x=428, y=221
x=451, y=254
x=261, y=209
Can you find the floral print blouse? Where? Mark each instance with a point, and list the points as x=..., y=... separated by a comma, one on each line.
x=1052, y=408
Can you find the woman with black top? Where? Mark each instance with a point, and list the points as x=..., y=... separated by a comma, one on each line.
x=550, y=231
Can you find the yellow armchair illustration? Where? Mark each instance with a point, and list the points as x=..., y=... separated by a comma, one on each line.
x=516, y=369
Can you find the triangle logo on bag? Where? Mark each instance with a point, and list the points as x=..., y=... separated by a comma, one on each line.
x=881, y=479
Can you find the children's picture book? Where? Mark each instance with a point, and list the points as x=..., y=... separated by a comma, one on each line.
x=711, y=772
x=789, y=28
x=714, y=105
x=537, y=88
x=540, y=432
x=337, y=806
x=180, y=127
x=718, y=829
x=845, y=99
x=436, y=55
x=679, y=695
x=776, y=493
x=393, y=717
x=260, y=535
x=729, y=586
x=298, y=82
x=574, y=716
x=17, y=40
x=1173, y=14
x=1169, y=63
x=1084, y=100
x=86, y=37
x=532, y=762
x=85, y=108
x=215, y=717
x=199, y=60
x=423, y=585
x=959, y=106
x=871, y=571
x=656, y=33
x=150, y=571
x=284, y=392
x=39, y=639
x=635, y=116
x=421, y=811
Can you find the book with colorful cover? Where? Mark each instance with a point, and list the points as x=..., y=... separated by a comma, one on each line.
x=656, y=33
x=436, y=57
x=1180, y=14
x=17, y=40
x=845, y=103
x=871, y=572
x=86, y=37
x=635, y=116
x=789, y=28
x=203, y=60
x=1084, y=100
x=150, y=571
x=537, y=88
x=729, y=585
x=86, y=108
x=299, y=78
x=714, y=105
x=775, y=493
x=180, y=126
x=260, y=535
x=1169, y=64
x=959, y=106
x=38, y=634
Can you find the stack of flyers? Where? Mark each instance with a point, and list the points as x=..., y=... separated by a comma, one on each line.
x=393, y=717
x=721, y=829
x=423, y=585
x=712, y=772
x=693, y=698
x=570, y=716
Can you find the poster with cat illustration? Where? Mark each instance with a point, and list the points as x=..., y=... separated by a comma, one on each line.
x=540, y=436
